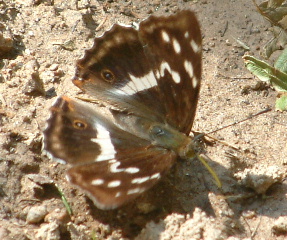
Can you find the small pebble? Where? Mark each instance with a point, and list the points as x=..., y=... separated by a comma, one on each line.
x=57, y=215
x=36, y=214
x=54, y=67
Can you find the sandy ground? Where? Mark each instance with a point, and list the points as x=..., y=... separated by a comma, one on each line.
x=39, y=44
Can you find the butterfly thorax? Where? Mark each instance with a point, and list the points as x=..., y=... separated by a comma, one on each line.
x=157, y=133
x=167, y=137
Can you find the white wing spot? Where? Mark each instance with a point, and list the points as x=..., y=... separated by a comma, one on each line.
x=97, y=182
x=164, y=66
x=104, y=140
x=118, y=194
x=138, y=84
x=176, y=46
x=128, y=89
x=132, y=170
x=114, y=167
x=194, y=82
x=157, y=74
x=194, y=46
x=186, y=34
x=113, y=184
x=165, y=36
x=154, y=176
x=188, y=68
x=135, y=190
x=140, y=180
x=175, y=76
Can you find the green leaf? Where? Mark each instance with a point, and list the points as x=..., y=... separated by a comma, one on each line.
x=266, y=73
x=281, y=103
x=281, y=62
x=65, y=202
x=257, y=67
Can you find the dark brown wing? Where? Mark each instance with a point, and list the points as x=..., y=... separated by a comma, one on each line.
x=153, y=72
x=111, y=165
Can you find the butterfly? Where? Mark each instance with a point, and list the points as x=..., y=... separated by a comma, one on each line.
x=145, y=83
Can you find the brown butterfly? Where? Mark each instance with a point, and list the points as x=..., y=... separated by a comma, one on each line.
x=147, y=82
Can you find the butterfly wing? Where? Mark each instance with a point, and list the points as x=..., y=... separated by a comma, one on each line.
x=115, y=182
x=111, y=165
x=145, y=79
x=153, y=72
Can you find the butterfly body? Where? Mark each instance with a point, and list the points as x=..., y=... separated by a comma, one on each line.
x=147, y=82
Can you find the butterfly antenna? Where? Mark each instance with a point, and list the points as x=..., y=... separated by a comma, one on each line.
x=243, y=120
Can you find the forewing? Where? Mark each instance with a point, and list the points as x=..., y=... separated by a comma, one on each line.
x=153, y=72
x=173, y=46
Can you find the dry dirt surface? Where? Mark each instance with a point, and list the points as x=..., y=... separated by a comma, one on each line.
x=40, y=40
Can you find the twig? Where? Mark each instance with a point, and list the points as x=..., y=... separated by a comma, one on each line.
x=101, y=23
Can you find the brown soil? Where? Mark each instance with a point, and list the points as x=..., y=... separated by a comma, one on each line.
x=42, y=40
